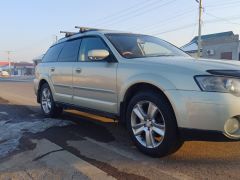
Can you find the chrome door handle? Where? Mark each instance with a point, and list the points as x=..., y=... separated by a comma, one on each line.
x=52, y=69
x=78, y=70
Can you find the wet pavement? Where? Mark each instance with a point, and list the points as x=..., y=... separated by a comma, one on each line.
x=83, y=146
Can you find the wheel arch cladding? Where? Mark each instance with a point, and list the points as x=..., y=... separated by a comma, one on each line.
x=42, y=81
x=137, y=88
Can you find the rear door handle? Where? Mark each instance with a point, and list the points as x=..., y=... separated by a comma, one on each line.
x=78, y=70
x=52, y=69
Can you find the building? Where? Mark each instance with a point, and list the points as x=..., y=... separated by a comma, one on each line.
x=4, y=65
x=38, y=60
x=223, y=45
x=23, y=68
x=18, y=68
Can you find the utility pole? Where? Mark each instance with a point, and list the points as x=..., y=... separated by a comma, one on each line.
x=200, y=28
x=55, y=39
x=9, y=62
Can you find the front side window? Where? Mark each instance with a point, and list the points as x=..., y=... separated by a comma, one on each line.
x=138, y=46
x=88, y=44
x=53, y=53
x=69, y=52
x=151, y=49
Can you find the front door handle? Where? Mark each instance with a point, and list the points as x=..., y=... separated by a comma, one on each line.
x=78, y=70
x=52, y=69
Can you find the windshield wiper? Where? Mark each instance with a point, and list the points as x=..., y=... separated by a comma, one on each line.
x=161, y=55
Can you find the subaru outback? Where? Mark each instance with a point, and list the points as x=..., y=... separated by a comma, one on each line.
x=163, y=95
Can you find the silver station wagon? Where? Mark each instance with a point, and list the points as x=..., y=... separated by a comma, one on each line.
x=164, y=96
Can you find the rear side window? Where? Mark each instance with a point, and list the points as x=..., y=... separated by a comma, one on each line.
x=53, y=53
x=70, y=50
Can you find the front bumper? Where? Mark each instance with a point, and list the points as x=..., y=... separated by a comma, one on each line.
x=204, y=111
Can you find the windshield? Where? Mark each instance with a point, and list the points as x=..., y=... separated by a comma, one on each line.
x=138, y=46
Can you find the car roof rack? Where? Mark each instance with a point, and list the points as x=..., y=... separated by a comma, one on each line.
x=86, y=29
x=67, y=33
x=81, y=30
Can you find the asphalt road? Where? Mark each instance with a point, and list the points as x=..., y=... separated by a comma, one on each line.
x=83, y=146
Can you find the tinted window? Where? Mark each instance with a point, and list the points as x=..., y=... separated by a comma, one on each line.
x=89, y=44
x=53, y=53
x=69, y=52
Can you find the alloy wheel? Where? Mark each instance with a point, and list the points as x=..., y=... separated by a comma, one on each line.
x=46, y=100
x=148, y=124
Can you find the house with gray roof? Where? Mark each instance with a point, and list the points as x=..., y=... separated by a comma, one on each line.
x=225, y=45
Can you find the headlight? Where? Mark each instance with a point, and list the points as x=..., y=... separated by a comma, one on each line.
x=219, y=84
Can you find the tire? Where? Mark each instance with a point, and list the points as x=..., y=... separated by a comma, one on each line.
x=48, y=106
x=154, y=131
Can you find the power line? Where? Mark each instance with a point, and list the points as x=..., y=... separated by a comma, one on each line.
x=222, y=19
x=128, y=14
x=147, y=10
x=232, y=18
x=110, y=16
x=126, y=11
x=168, y=20
x=191, y=25
x=175, y=29
x=224, y=4
x=194, y=30
x=222, y=7
x=193, y=33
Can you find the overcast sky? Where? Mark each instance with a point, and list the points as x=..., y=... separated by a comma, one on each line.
x=28, y=27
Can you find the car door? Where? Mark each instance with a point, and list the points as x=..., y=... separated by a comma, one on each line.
x=62, y=71
x=94, y=81
x=49, y=65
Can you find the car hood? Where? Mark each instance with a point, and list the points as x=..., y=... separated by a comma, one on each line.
x=197, y=65
x=180, y=71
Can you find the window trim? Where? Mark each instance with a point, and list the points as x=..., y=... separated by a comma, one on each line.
x=109, y=49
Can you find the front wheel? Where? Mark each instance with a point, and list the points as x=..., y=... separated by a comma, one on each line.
x=152, y=124
x=48, y=106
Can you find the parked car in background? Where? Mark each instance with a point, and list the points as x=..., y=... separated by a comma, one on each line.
x=162, y=95
x=4, y=74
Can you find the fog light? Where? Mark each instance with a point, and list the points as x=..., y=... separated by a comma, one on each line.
x=232, y=126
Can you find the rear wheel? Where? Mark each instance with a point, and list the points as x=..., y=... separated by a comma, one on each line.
x=48, y=106
x=152, y=124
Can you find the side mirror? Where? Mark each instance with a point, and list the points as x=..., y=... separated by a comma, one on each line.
x=98, y=54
